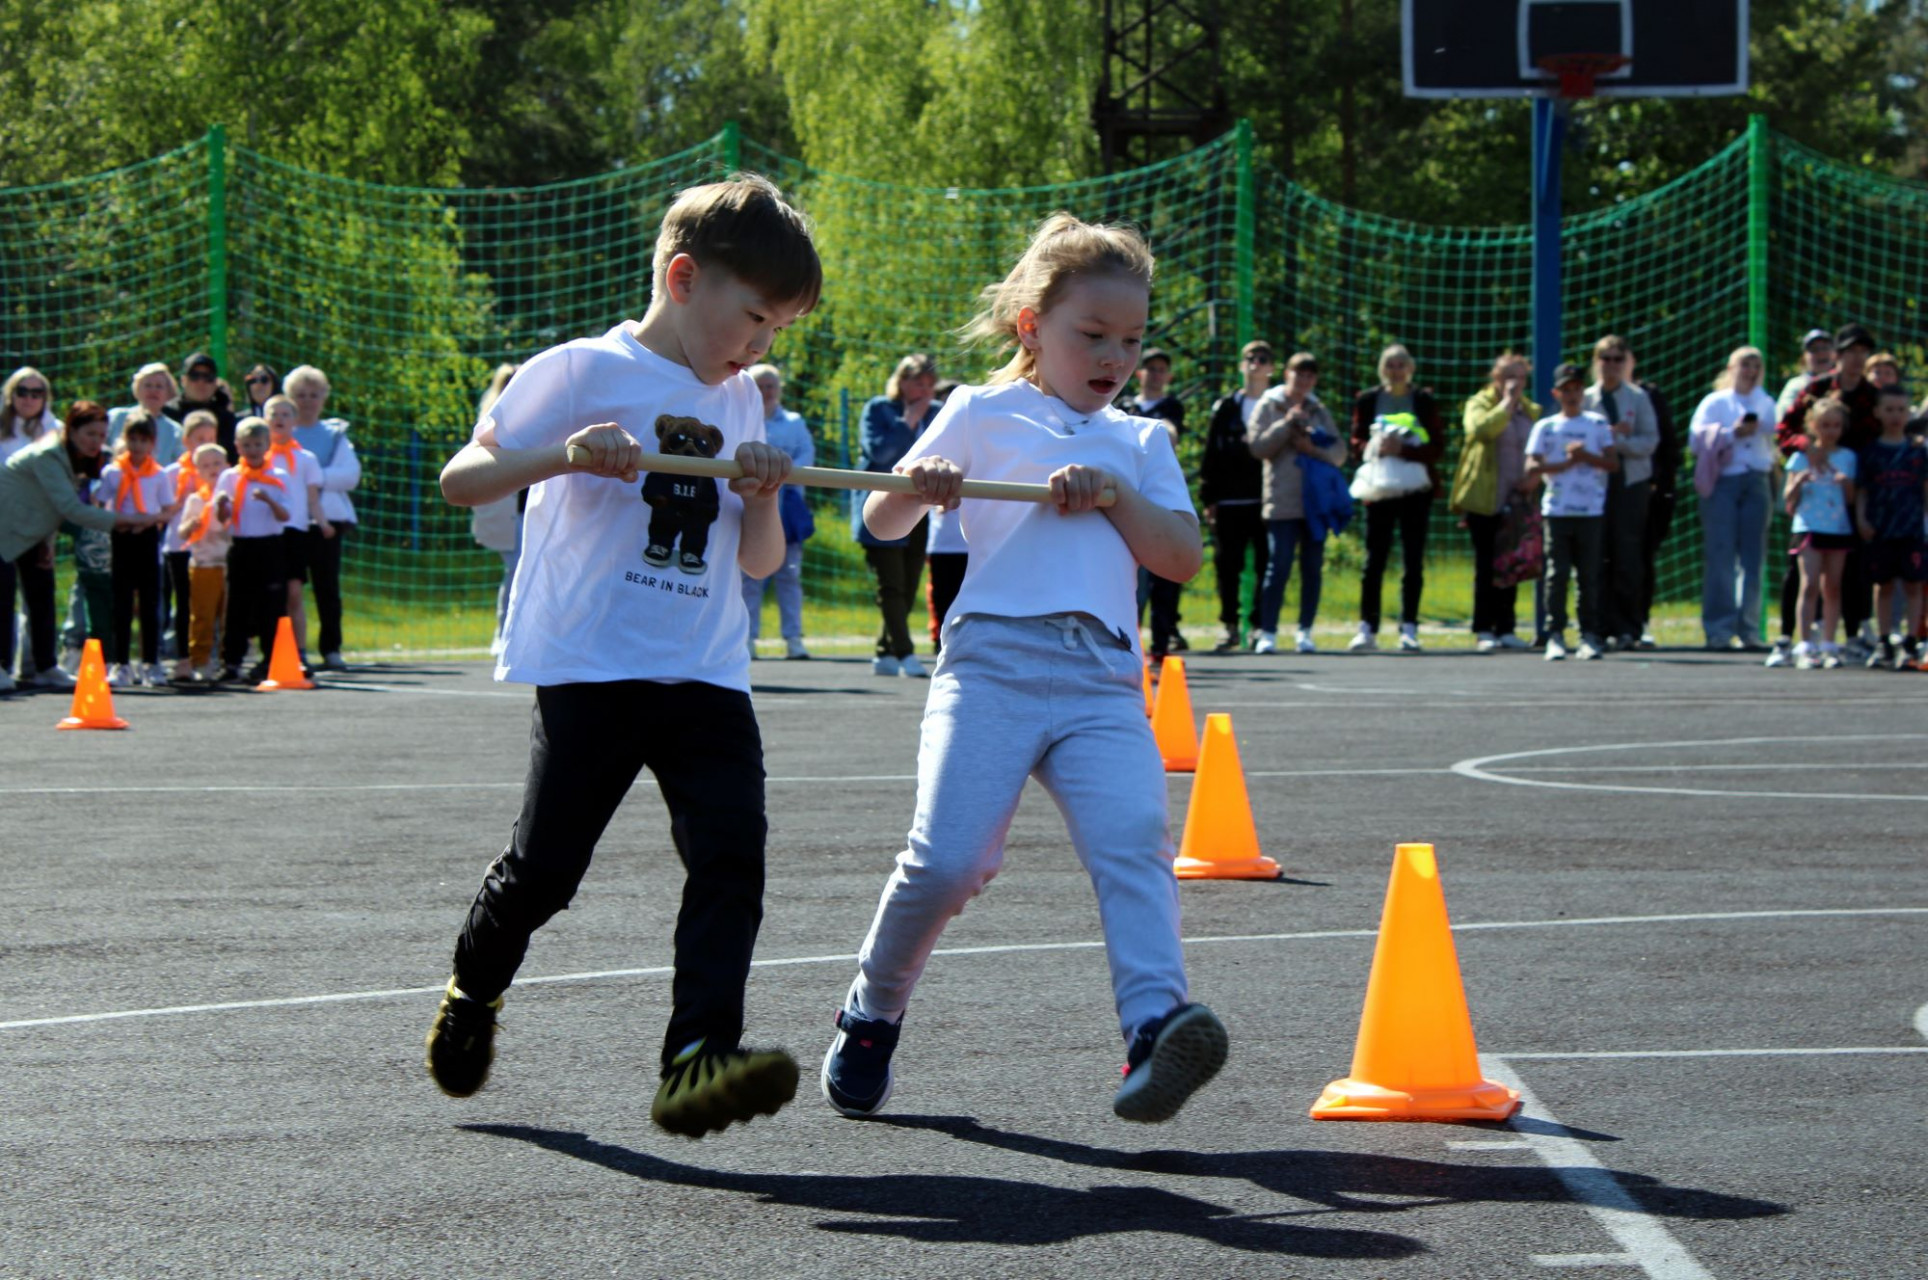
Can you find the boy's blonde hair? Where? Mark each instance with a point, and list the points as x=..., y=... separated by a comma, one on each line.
x=147, y=371
x=198, y=419
x=248, y=428
x=300, y=374
x=758, y=372
x=203, y=453
x=917, y=364
x=274, y=400
x=1063, y=248
x=744, y=226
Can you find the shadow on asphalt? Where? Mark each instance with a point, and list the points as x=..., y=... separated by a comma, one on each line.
x=965, y=1209
x=1336, y=1178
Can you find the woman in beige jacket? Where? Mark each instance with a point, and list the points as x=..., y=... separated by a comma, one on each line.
x=1291, y=420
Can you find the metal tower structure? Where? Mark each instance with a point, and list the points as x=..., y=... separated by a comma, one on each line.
x=1162, y=79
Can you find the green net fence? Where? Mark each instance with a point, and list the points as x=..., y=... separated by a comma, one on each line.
x=408, y=298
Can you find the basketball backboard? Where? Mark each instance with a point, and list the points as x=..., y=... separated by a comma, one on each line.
x=1497, y=48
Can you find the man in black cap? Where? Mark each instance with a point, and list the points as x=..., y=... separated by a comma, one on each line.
x=1849, y=384
x=201, y=388
x=1817, y=358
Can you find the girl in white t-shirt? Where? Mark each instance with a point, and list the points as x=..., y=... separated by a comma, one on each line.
x=1040, y=674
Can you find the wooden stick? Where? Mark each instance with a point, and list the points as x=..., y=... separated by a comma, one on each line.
x=832, y=478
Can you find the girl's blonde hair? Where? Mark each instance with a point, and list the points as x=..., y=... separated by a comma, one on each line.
x=10, y=424
x=1062, y=249
x=1725, y=382
x=267, y=406
x=1395, y=351
x=209, y=452
x=917, y=364
x=1830, y=406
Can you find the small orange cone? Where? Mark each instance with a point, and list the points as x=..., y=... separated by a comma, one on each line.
x=284, y=669
x=1171, y=719
x=1221, y=841
x=1415, y=1058
x=93, y=703
x=1149, y=706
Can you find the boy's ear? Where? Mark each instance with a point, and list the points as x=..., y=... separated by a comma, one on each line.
x=679, y=277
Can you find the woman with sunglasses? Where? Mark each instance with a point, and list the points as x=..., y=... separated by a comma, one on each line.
x=261, y=383
x=25, y=410
x=202, y=388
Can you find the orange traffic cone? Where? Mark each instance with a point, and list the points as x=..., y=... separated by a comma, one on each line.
x=1149, y=706
x=1415, y=1058
x=284, y=669
x=1171, y=719
x=93, y=703
x=1221, y=842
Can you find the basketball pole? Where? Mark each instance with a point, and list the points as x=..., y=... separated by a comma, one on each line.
x=1549, y=143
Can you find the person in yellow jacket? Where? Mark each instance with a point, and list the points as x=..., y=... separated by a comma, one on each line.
x=1492, y=470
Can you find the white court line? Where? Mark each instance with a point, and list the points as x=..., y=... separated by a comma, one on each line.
x=1477, y=768
x=1001, y=949
x=1601, y=1054
x=1644, y=1241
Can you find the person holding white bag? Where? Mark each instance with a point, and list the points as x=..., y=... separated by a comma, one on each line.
x=1398, y=439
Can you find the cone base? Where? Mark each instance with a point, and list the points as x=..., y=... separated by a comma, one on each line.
x=1356, y=1100
x=1182, y=765
x=72, y=722
x=1259, y=868
x=271, y=686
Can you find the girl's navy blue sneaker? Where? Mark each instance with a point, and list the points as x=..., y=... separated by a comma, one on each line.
x=1170, y=1059
x=856, y=1071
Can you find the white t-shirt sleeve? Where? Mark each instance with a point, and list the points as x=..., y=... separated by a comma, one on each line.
x=1160, y=478
x=537, y=408
x=948, y=435
x=1536, y=440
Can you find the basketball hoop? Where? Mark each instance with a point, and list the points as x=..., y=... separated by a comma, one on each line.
x=1578, y=71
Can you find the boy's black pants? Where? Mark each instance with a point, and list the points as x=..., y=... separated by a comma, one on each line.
x=257, y=596
x=587, y=744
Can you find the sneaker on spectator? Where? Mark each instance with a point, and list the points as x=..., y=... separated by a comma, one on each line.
x=119, y=677
x=1265, y=642
x=1229, y=642
x=1556, y=649
x=331, y=661
x=6, y=682
x=910, y=668
x=1409, y=637
x=155, y=676
x=1782, y=655
x=1831, y=657
x=70, y=661
x=1806, y=656
x=1647, y=641
x=883, y=665
x=1590, y=650
x=1882, y=656
x=1511, y=641
x=1303, y=642
x=1485, y=641
x=1366, y=639
x=1910, y=654
x=793, y=649
x=1178, y=643
x=53, y=678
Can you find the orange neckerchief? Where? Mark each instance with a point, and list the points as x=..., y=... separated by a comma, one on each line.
x=206, y=492
x=292, y=452
x=246, y=475
x=185, y=482
x=131, y=475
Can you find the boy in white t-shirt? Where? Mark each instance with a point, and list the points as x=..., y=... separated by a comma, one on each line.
x=134, y=485
x=1040, y=674
x=627, y=615
x=257, y=513
x=302, y=471
x=1573, y=451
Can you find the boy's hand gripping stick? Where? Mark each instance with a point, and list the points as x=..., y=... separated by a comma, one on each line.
x=832, y=478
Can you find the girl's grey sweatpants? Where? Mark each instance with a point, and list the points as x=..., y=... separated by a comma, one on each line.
x=1059, y=699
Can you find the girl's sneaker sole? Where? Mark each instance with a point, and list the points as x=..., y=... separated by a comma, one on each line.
x=1189, y=1051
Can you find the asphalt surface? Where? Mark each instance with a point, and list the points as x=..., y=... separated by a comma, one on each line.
x=1748, y=893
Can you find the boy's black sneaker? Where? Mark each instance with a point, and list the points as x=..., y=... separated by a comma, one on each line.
x=1170, y=1060
x=707, y=1090
x=856, y=1072
x=461, y=1043
x=1882, y=655
x=1909, y=656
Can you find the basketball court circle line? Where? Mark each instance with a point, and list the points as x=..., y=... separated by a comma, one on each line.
x=604, y=975
x=1478, y=768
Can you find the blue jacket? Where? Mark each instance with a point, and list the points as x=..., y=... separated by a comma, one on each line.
x=1328, y=499
x=887, y=438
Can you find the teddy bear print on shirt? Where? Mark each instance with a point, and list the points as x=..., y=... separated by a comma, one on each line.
x=682, y=506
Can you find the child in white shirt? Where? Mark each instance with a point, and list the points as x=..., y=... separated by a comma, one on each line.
x=1573, y=450
x=1040, y=673
x=133, y=484
x=201, y=427
x=257, y=501
x=302, y=470
x=205, y=533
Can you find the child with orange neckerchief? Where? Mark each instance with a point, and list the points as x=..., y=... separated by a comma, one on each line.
x=205, y=530
x=302, y=472
x=257, y=499
x=177, y=598
x=132, y=486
